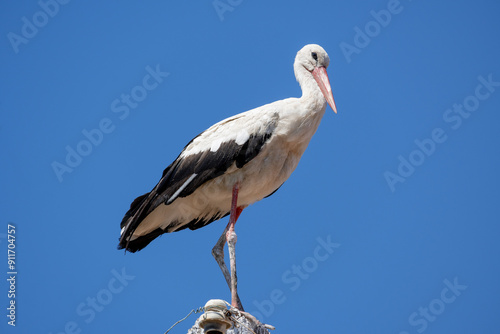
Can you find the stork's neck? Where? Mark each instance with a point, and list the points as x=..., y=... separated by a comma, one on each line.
x=311, y=94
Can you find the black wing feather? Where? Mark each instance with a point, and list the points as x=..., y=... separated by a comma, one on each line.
x=207, y=165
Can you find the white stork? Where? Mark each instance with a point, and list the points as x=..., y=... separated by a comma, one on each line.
x=233, y=164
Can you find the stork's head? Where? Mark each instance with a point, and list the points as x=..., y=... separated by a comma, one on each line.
x=315, y=60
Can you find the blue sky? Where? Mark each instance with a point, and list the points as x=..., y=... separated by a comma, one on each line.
x=388, y=225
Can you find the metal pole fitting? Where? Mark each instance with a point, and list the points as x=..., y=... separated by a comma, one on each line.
x=214, y=320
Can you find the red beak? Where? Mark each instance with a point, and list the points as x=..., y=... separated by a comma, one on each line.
x=321, y=77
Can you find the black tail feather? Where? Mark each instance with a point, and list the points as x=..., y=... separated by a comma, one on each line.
x=140, y=242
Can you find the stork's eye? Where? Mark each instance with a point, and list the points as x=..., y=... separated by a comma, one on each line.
x=314, y=55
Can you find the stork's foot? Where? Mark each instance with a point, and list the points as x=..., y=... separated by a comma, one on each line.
x=255, y=323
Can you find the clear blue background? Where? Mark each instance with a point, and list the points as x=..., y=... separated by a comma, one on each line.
x=396, y=247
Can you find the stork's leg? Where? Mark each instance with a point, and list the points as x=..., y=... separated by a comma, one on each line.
x=218, y=250
x=231, y=243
